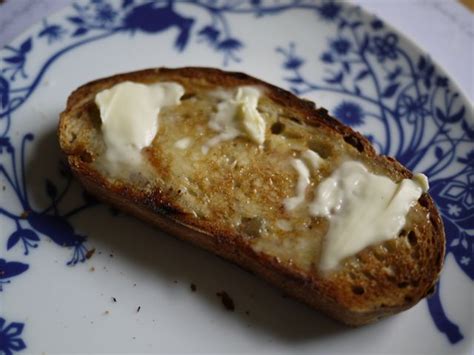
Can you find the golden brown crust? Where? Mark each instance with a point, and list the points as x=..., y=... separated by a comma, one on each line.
x=354, y=295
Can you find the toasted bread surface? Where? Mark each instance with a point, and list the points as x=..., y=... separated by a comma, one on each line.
x=229, y=200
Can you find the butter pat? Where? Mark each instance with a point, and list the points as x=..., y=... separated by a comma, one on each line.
x=129, y=113
x=237, y=116
x=362, y=208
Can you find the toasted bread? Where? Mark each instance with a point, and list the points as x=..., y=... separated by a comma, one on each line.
x=229, y=201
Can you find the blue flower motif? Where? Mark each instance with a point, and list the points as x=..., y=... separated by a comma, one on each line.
x=292, y=61
x=377, y=24
x=454, y=210
x=469, y=159
x=411, y=108
x=229, y=46
x=426, y=71
x=341, y=46
x=52, y=32
x=350, y=113
x=385, y=47
x=460, y=191
x=442, y=81
x=329, y=10
x=327, y=58
x=105, y=13
x=5, y=144
x=10, y=340
x=210, y=34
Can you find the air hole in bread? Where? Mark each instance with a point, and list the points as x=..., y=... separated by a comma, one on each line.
x=277, y=128
x=252, y=227
x=355, y=142
x=412, y=239
x=94, y=114
x=423, y=200
x=402, y=233
x=295, y=120
x=72, y=138
x=86, y=157
x=415, y=283
x=323, y=150
x=402, y=284
x=187, y=96
x=358, y=290
x=368, y=275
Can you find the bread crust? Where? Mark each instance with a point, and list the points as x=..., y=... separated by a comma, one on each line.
x=335, y=295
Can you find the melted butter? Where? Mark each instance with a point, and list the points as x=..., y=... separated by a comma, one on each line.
x=362, y=208
x=308, y=160
x=303, y=182
x=237, y=116
x=129, y=114
x=312, y=158
x=183, y=143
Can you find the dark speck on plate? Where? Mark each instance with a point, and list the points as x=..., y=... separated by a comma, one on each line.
x=227, y=302
x=89, y=253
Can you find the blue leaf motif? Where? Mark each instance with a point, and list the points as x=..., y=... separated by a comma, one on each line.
x=13, y=239
x=390, y=90
x=365, y=43
x=362, y=75
x=4, y=92
x=392, y=76
x=296, y=80
x=439, y=152
x=336, y=80
x=11, y=269
x=346, y=67
x=464, y=243
x=28, y=234
x=229, y=44
x=357, y=90
x=421, y=63
x=440, y=114
x=457, y=116
x=76, y=20
x=13, y=60
x=26, y=46
x=454, y=243
x=80, y=31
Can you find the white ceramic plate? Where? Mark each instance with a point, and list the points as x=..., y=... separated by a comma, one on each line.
x=365, y=72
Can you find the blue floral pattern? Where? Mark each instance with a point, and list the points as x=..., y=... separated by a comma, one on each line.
x=10, y=337
x=408, y=95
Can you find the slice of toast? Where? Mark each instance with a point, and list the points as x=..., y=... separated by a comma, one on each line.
x=229, y=200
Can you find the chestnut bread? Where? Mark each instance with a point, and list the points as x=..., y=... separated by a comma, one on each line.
x=229, y=201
